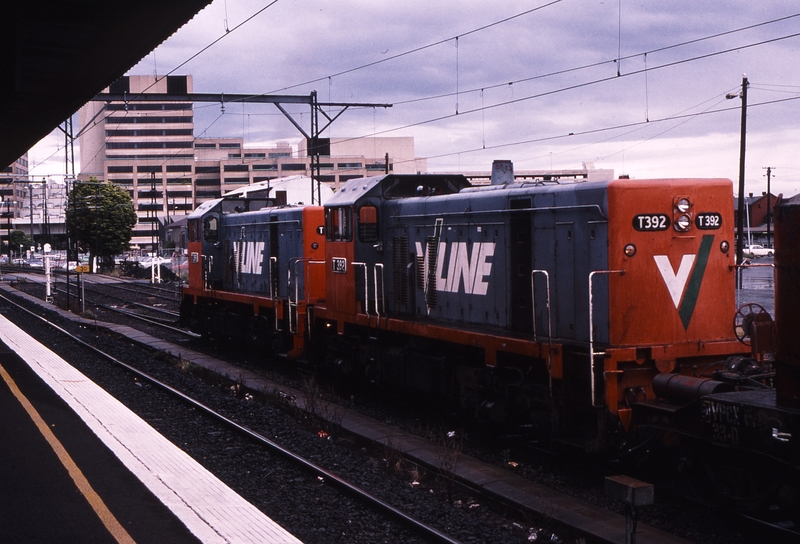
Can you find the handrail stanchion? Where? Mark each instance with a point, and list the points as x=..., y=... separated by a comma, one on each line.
x=549, y=323
x=591, y=327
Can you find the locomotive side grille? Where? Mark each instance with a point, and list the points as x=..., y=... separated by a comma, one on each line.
x=420, y=272
x=400, y=262
x=430, y=293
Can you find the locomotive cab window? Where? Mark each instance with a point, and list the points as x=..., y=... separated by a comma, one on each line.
x=368, y=224
x=211, y=229
x=194, y=230
x=338, y=224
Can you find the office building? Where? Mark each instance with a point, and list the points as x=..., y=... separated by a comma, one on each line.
x=149, y=149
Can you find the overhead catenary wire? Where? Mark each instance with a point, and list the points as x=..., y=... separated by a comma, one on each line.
x=419, y=49
x=597, y=64
x=604, y=129
x=483, y=107
x=583, y=84
x=482, y=89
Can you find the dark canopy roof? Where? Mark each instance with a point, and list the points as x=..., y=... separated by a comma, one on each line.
x=55, y=55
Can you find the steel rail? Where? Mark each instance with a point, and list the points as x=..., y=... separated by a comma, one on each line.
x=338, y=482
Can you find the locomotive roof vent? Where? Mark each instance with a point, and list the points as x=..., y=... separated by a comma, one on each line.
x=502, y=172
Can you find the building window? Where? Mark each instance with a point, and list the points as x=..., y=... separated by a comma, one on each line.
x=223, y=145
x=265, y=167
x=149, y=120
x=148, y=106
x=349, y=165
x=293, y=167
x=152, y=132
x=177, y=85
x=205, y=146
x=120, y=169
x=148, y=145
x=179, y=168
x=236, y=168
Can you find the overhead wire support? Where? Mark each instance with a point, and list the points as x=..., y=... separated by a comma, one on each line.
x=313, y=143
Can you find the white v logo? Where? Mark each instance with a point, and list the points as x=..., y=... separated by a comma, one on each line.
x=676, y=282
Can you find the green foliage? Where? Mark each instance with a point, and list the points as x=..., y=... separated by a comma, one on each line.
x=101, y=218
x=19, y=238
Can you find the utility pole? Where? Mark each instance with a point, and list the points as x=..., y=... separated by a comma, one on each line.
x=769, y=202
x=742, y=147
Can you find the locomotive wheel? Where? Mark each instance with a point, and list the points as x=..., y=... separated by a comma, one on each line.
x=744, y=318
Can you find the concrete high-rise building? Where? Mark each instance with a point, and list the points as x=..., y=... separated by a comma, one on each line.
x=149, y=149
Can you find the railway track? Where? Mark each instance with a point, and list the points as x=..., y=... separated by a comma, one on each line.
x=350, y=487
x=511, y=454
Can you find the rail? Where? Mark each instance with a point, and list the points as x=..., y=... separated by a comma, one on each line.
x=591, y=328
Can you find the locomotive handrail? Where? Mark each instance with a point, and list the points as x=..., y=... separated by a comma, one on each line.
x=375, y=288
x=591, y=327
x=366, y=285
x=208, y=262
x=549, y=323
x=383, y=290
x=295, y=303
x=238, y=249
x=273, y=262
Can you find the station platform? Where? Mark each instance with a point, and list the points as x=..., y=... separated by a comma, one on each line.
x=78, y=466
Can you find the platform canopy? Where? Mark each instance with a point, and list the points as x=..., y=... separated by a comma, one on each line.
x=55, y=55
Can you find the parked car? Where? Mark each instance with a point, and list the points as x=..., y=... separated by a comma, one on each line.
x=756, y=250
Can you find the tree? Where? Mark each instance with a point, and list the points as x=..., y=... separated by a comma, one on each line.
x=100, y=219
x=18, y=239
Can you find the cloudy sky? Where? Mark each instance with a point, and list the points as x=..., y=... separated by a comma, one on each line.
x=637, y=87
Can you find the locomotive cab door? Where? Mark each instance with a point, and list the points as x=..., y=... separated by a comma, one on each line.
x=212, y=262
x=565, y=295
x=340, y=252
x=521, y=264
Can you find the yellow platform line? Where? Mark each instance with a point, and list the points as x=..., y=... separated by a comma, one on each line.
x=111, y=523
